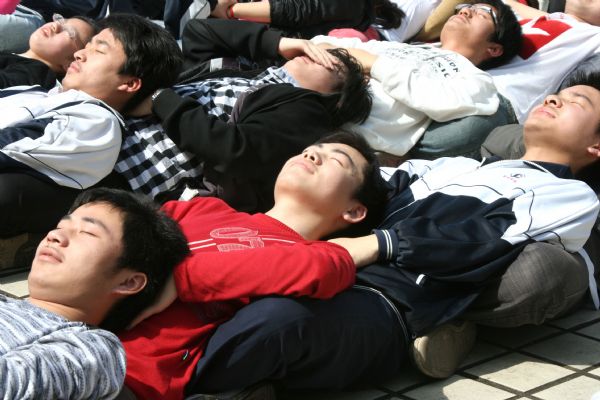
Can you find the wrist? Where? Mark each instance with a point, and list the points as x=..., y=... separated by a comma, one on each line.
x=229, y=12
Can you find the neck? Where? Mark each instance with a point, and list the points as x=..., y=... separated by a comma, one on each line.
x=310, y=224
x=34, y=56
x=552, y=156
x=68, y=312
x=465, y=51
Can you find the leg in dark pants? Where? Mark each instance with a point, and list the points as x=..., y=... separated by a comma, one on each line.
x=304, y=343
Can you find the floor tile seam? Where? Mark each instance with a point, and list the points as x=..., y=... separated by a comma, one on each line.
x=557, y=382
x=557, y=363
x=532, y=392
x=493, y=384
x=575, y=327
x=530, y=343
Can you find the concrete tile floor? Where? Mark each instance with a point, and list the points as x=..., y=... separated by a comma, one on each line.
x=556, y=361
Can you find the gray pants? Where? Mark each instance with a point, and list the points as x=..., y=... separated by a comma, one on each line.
x=544, y=282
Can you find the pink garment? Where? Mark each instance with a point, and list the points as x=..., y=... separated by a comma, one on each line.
x=8, y=6
x=364, y=36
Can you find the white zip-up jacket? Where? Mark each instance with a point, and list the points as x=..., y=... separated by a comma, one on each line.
x=68, y=137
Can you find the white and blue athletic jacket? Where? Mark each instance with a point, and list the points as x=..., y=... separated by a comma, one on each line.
x=454, y=224
x=67, y=137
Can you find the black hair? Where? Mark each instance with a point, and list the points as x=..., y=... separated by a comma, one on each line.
x=152, y=244
x=92, y=23
x=373, y=191
x=152, y=53
x=585, y=74
x=355, y=100
x=507, y=34
x=387, y=14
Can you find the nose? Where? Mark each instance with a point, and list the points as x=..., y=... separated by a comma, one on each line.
x=56, y=28
x=79, y=55
x=57, y=237
x=466, y=11
x=312, y=155
x=553, y=100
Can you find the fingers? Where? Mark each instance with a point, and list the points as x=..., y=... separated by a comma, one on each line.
x=320, y=56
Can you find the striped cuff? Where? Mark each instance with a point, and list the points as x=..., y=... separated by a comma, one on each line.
x=388, y=244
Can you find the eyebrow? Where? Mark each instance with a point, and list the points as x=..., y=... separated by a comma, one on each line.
x=583, y=96
x=91, y=220
x=100, y=42
x=342, y=152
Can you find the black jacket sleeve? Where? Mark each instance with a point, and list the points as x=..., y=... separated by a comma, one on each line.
x=328, y=14
x=276, y=122
x=204, y=40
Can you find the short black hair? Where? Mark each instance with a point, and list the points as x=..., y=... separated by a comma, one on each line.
x=586, y=74
x=152, y=243
x=508, y=34
x=373, y=191
x=387, y=14
x=355, y=100
x=92, y=23
x=152, y=53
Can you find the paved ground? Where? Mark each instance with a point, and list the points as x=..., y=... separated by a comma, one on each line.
x=556, y=361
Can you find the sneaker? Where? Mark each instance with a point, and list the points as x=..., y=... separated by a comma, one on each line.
x=260, y=391
x=17, y=252
x=439, y=353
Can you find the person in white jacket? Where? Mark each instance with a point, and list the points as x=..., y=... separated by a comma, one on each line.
x=414, y=85
x=54, y=144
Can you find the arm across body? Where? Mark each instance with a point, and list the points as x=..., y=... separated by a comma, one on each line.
x=460, y=88
x=250, y=142
x=315, y=269
x=490, y=234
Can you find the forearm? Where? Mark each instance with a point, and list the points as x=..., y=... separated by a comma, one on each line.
x=523, y=11
x=466, y=91
x=315, y=269
x=213, y=38
x=255, y=11
x=364, y=250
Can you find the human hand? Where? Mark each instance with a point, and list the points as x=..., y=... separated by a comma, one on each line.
x=363, y=250
x=164, y=300
x=220, y=10
x=290, y=48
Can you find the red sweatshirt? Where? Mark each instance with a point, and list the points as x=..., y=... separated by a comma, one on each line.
x=235, y=256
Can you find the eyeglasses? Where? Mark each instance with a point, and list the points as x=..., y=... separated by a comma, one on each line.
x=480, y=8
x=60, y=20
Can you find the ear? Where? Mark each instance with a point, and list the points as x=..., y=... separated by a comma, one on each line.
x=131, y=283
x=131, y=85
x=495, y=50
x=355, y=214
x=594, y=151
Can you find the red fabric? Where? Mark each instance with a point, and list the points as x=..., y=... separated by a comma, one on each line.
x=235, y=256
x=8, y=6
x=369, y=34
x=545, y=32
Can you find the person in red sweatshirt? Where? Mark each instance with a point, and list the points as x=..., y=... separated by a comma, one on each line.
x=236, y=257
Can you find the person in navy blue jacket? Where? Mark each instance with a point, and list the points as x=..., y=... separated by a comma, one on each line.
x=453, y=226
